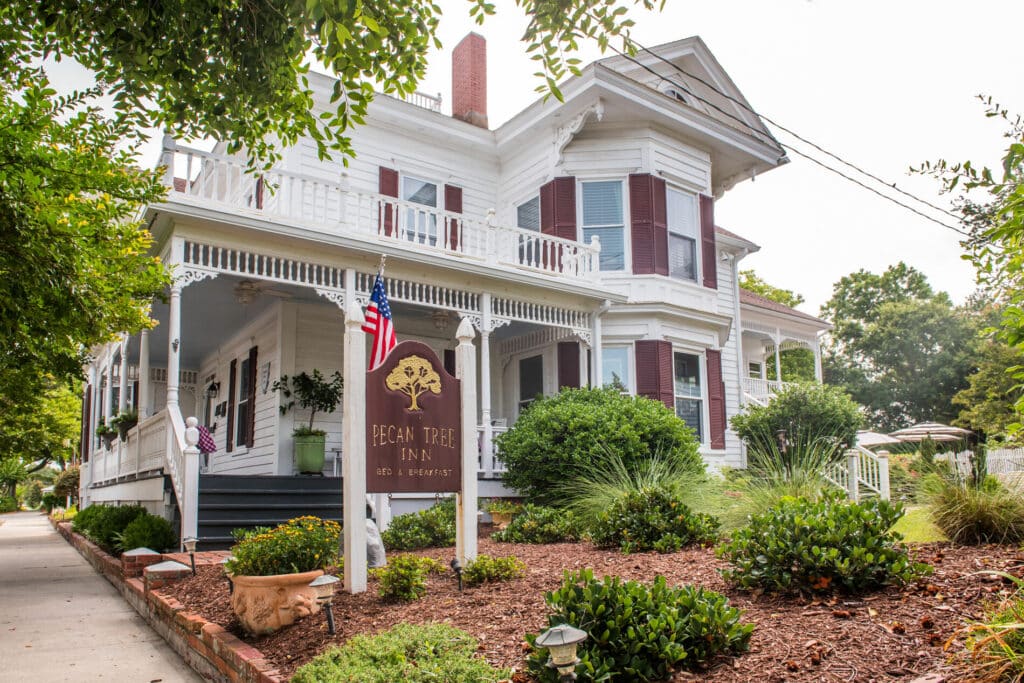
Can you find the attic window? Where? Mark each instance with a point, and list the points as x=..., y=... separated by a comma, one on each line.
x=676, y=93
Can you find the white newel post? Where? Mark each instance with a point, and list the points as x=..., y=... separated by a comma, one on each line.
x=142, y=400
x=487, y=447
x=190, y=485
x=883, y=474
x=853, y=475
x=466, y=501
x=353, y=462
x=122, y=394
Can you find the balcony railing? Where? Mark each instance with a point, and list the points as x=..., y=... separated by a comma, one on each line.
x=760, y=390
x=221, y=181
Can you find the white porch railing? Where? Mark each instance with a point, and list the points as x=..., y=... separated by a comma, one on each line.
x=861, y=470
x=422, y=99
x=328, y=206
x=760, y=390
x=489, y=464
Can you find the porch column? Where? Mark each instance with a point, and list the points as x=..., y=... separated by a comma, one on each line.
x=108, y=391
x=487, y=451
x=596, y=368
x=778, y=358
x=353, y=462
x=173, y=344
x=122, y=394
x=817, y=360
x=143, y=398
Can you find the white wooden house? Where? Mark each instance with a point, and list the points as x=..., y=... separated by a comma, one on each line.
x=578, y=238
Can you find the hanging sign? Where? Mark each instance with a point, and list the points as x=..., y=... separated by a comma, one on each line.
x=413, y=424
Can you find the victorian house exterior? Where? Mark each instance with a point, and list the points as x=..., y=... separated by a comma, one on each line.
x=578, y=239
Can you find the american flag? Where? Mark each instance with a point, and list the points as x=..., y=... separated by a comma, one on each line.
x=378, y=323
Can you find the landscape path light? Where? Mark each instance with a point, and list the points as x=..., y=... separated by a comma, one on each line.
x=324, y=585
x=231, y=584
x=457, y=568
x=560, y=642
x=190, y=547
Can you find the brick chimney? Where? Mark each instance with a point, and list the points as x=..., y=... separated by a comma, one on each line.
x=469, y=80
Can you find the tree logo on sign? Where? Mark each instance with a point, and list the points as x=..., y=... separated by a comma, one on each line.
x=414, y=376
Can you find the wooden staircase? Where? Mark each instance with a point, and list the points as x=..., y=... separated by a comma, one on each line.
x=229, y=502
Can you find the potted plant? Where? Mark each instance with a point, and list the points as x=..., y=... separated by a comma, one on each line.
x=106, y=433
x=123, y=422
x=502, y=510
x=270, y=570
x=315, y=393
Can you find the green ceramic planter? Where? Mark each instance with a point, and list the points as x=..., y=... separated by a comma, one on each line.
x=309, y=453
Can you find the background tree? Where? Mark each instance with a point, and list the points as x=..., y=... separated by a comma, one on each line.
x=797, y=363
x=989, y=404
x=42, y=430
x=900, y=349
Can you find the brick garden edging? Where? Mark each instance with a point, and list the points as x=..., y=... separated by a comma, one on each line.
x=205, y=646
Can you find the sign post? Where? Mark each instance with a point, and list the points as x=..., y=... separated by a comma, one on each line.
x=466, y=501
x=353, y=465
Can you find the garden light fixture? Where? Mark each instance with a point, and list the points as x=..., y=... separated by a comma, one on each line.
x=324, y=586
x=231, y=584
x=457, y=568
x=560, y=642
x=190, y=547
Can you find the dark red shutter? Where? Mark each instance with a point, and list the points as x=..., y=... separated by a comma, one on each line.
x=449, y=361
x=86, y=448
x=259, y=192
x=716, y=399
x=654, y=371
x=232, y=377
x=569, y=365
x=453, y=204
x=709, y=253
x=649, y=224
x=557, y=215
x=135, y=396
x=388, y=188
x=250, y=426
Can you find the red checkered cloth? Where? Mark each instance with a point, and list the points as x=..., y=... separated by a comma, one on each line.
x=206, y=442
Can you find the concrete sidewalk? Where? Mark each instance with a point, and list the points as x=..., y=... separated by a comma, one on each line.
x=61, y=621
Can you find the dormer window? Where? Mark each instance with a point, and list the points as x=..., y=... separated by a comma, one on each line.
x=677, y=93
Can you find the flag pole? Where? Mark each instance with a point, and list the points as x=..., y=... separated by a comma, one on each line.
x=383, y=262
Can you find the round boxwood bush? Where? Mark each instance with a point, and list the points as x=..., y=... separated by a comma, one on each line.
x=430, y=528
x=639, y=632
x=537, y=524
x=821, y=546
x=807, y=412
x=563, y=436
x=652, y=518
x=147, y=531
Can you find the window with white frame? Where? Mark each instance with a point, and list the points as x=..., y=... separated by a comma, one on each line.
x=615, y=367
x=420, y=226
x=243, y=403
x=755, y=370
x=681, y=210
x=603, y=216
x=688, y=395
x=531, y=380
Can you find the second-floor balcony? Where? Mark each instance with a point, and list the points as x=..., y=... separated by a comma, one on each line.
x=221, y=182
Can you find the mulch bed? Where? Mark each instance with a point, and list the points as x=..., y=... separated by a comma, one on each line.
x=895, y=634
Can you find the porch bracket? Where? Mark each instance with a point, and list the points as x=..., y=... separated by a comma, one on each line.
x=477, y=321
x=190, y=276
x=335, y=296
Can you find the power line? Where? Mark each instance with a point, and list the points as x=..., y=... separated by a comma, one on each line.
x=761, y=135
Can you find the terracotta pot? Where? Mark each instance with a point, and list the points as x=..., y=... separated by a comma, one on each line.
x=265, y=604
x=501, y=519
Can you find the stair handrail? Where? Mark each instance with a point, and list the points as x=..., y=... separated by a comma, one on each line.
x=861, y=469
x=183, y=467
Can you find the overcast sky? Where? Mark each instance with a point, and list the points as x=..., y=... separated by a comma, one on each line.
x=882, y=84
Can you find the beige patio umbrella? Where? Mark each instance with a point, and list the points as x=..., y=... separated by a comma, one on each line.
x=869, y=439
x=933, y=430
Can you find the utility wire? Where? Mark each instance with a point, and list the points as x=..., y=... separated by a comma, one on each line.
x=761, y=135
x=778, y=125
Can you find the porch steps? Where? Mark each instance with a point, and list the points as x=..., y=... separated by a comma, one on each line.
x=230, y=502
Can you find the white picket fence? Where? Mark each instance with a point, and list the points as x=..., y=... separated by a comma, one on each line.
x=1000, y=461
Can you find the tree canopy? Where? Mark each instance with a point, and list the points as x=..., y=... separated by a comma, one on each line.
x=752, y=282
x=797, y=363
x=900, y=349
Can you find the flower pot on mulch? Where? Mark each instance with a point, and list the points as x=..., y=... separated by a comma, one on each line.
x=501, y=519
x=265, y=604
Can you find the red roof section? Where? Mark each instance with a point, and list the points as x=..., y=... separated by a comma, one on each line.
x=751, y=299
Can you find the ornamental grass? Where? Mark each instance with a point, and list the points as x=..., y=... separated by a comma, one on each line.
x=299, y=545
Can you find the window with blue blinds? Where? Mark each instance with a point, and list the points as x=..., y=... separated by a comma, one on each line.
x=603, y=217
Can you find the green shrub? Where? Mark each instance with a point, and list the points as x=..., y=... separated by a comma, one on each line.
x=8, y=504
x=639, y=632
x=431, y=528
x=491, y=569
x=560, y=437
x=536, y=524
x=820, y=546
x=67, y=483
x=148, y=531
x=86, y=518
x=969, y=514
x=103, y=523
x=299, y=545
x=32, y=494
x=807, y=412
x=431, y=653
x=652, y=519
x=50, y=501
x=404, y=579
